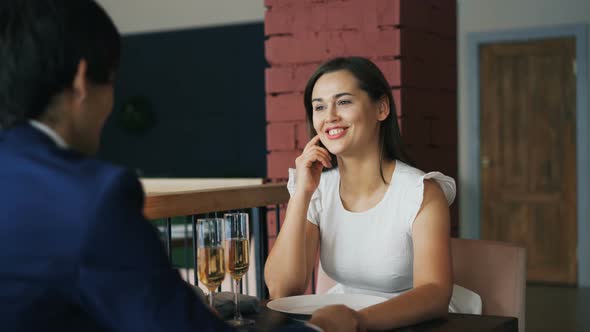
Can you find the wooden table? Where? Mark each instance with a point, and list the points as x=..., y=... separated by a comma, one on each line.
x=267, y=320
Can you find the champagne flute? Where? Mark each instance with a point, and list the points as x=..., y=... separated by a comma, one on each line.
x=210, y=254
x=237, y=257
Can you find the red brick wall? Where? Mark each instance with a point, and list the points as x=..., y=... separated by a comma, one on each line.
x=412, y=41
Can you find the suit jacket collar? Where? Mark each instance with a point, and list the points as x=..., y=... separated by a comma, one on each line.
x=58, y=140
x=23, y=136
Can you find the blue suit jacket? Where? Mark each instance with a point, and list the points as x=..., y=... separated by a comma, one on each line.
x=76, y=253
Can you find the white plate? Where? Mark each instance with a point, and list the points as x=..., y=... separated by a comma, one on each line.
x=307, y=304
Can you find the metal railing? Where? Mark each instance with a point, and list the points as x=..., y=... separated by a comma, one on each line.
x=187, y=205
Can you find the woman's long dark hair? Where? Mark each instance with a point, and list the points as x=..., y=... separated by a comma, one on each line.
x=371, y=80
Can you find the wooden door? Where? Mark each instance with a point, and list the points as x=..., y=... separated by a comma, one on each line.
x=528, y=153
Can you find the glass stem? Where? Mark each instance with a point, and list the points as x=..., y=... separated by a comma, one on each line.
x=237, y=315
x=211, y=299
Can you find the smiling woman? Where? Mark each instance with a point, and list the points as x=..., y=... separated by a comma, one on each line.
x=382, y=225
x=355, y=83
x=345, y=118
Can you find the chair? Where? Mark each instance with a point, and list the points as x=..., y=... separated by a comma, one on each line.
x=323, y=282
x=494, y=270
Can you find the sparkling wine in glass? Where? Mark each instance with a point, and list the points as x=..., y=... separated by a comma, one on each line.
x=237, y=257
x=210, y=253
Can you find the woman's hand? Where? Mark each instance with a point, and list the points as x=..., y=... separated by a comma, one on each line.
x=309, y=166
x=338, y=318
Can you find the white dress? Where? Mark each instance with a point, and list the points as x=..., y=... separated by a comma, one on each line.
x=371, y=252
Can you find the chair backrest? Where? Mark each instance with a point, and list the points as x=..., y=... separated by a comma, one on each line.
x=323, y=282
x=494, y=270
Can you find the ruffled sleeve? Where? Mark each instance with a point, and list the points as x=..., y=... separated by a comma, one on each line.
x=315, y=206
x=416, y=196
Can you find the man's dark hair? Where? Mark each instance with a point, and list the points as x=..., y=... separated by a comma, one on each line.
x=41, y=45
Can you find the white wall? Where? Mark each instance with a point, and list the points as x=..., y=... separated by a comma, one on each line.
x=136, y=16
x=494, y=16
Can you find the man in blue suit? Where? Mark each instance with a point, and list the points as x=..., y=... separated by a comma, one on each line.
x=76, y=253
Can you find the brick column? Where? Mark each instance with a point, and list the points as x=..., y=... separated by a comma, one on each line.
x=412, y=41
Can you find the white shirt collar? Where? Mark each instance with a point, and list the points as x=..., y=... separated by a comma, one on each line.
x=49, y=132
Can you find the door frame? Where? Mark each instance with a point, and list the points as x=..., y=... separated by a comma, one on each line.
x=469, y=156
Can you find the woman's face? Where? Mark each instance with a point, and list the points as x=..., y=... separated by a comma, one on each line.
x=344, y=116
